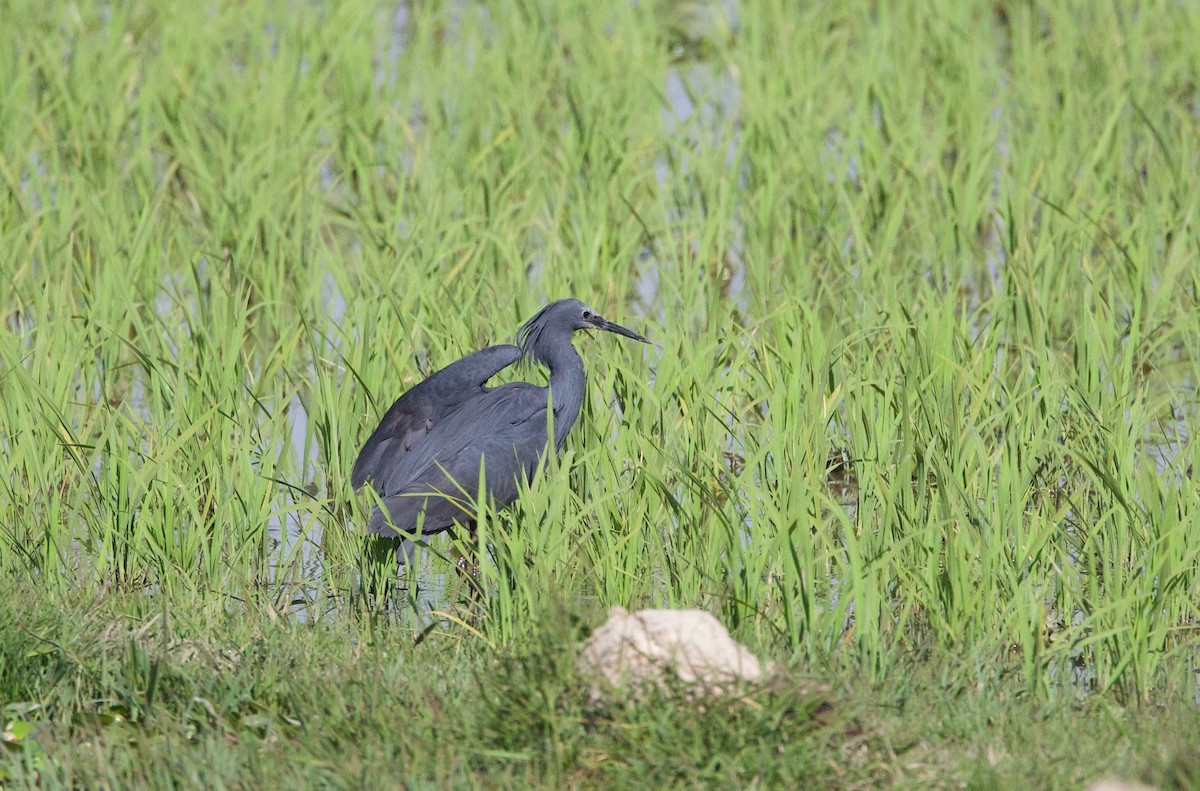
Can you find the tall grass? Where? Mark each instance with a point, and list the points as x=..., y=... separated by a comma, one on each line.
x=951, y=245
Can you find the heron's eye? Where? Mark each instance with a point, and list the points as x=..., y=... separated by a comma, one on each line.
x=587, y=314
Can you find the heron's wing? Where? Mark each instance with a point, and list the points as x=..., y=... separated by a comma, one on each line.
x=505, y=429
x=426, y=405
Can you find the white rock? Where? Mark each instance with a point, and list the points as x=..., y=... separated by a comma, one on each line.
x=1118, y=785
x=640, y=648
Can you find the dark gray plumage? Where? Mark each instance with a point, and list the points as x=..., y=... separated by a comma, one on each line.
x=424, y=406
x=425, y=454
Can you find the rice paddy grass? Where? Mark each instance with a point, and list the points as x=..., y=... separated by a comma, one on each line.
x=922, y=289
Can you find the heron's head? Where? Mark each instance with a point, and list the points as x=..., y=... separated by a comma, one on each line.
x=554, y=324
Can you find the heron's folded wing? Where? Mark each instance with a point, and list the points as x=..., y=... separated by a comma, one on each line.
x=505, y=429
x=424, y=406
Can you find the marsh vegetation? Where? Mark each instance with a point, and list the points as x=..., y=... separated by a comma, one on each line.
x=921, y=283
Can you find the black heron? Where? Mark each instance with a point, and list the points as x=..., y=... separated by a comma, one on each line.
x=424, y=457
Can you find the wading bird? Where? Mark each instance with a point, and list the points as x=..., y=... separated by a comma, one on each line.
x=424, y=458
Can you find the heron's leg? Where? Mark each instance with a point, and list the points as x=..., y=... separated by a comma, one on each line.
x=466, y=563
x=406, y=550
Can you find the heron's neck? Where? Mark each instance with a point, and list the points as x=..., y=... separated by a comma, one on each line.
x=567, y=382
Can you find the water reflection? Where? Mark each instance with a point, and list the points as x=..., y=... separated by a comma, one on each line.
x=700, y=115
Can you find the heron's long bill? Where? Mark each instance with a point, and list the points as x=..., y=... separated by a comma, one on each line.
x=604, y=324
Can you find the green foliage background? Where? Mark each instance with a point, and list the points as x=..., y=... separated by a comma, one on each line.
x=920, y=279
